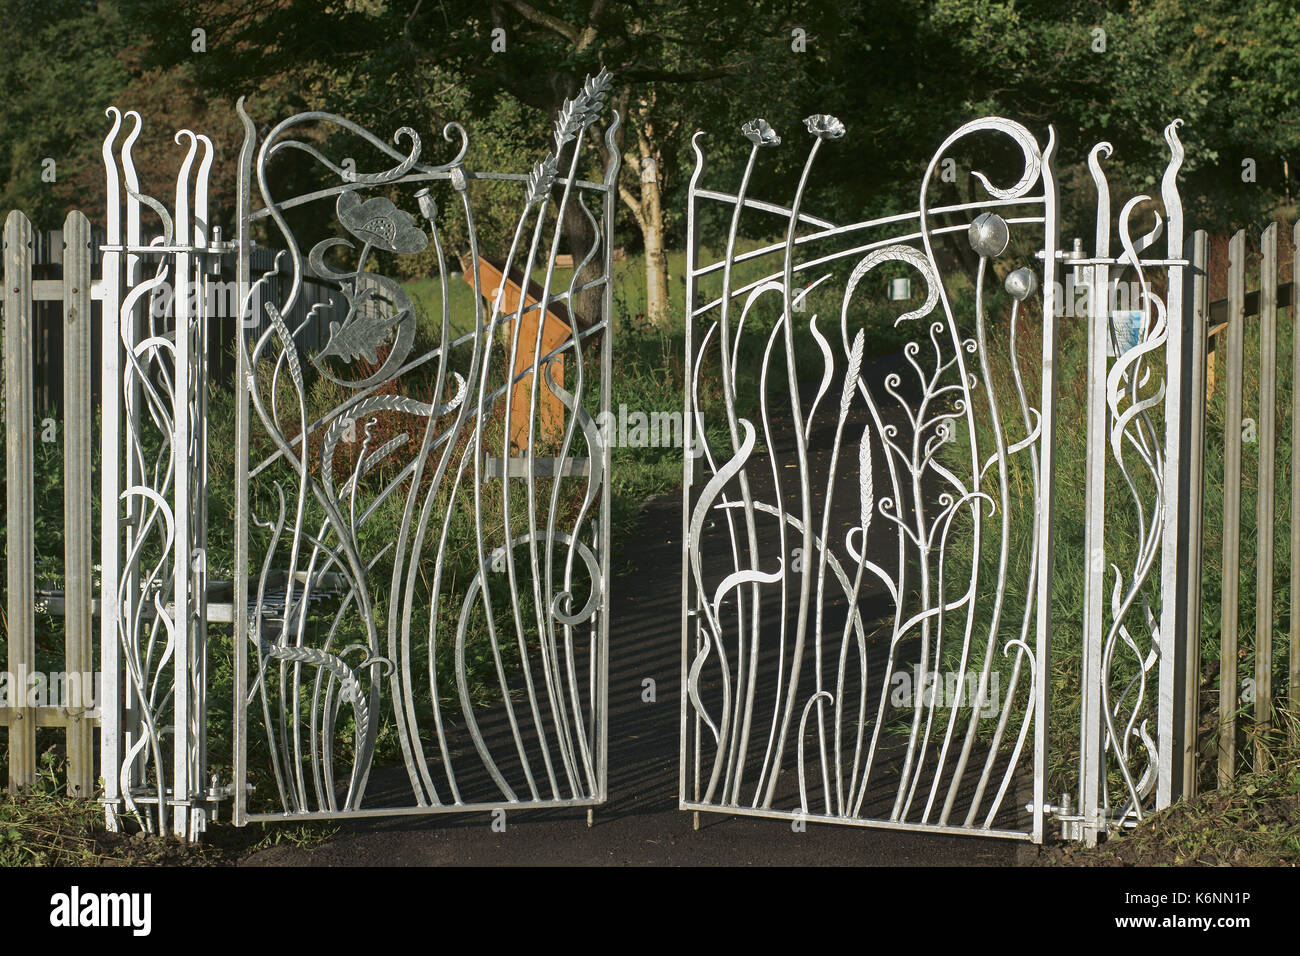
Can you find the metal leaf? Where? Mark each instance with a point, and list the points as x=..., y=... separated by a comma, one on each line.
x=581, y=111
x=541, y=179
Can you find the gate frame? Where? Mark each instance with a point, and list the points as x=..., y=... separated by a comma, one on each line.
x=1180, y=490
x=578, y=115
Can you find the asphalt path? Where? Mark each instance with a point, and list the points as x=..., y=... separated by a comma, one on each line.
x=641, y=824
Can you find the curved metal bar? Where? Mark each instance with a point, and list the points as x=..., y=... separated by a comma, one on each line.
x=455, y=422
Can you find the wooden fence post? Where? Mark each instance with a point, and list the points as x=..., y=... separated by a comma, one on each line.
x=78, y=661
x=20, y=516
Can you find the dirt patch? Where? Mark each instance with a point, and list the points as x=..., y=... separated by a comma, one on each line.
x=1255, y=823
x=41, y=826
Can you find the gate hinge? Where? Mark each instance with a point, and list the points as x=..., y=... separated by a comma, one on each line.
x=217, y=791
x=1071, y=823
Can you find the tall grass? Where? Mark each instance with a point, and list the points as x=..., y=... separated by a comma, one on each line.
x=1121, y=531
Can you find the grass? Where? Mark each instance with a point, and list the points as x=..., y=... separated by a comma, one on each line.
x=1121, y=537
x=1253, y=822
x=42, y=826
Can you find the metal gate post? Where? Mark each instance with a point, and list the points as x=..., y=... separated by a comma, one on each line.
x=243, y=381
x=110, y=463
x=1177, y=563
x=1091, y=744
x=1175, y=469
x=1046, y=506
x=153, y=512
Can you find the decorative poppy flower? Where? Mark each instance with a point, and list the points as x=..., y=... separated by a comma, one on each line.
x=758, y=132
x=824, y=126
x=988, y=235
x=380, y=223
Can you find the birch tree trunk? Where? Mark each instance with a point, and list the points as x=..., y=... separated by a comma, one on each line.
x=647, y=210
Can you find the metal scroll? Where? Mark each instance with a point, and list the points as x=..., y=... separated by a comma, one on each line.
x=458, y=659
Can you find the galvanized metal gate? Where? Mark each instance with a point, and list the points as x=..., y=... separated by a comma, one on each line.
x=868, y=636
x=470, y=651
x=473, y=645
x=867, y=628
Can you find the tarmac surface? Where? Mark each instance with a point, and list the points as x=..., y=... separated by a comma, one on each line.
x=641, y=824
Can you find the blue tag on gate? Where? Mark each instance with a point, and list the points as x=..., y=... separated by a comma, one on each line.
x=1126, y=329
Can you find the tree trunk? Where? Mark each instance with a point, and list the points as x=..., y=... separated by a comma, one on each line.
x=652, y=232
x=586, y=305
x=578, y=234
x=647, y=210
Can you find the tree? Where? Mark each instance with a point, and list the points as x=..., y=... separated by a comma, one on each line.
x=378, y=59
x=59, y=70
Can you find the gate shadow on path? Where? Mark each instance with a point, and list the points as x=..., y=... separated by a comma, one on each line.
x=640, y=825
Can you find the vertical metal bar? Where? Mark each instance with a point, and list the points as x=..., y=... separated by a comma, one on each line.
x=1092, y=748
x=181, y=575
x=243, y=379
x=198, y=567
x=1264, y=503
x=1293, y=681
x=128, y=329
x=688, y=458
x=1195, y=504
x=1175, y=560
x=20, y=514
x=610, y=205
x=1232, y=349
x=78, y=595
x=1047, y=469
x=110, y=463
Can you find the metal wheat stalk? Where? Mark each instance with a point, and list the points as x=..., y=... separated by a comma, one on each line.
x=547, y=748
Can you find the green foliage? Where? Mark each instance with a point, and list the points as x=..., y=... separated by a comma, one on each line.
x=1122, y=531
x=59, y=71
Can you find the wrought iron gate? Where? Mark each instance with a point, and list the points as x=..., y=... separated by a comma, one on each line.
x=473, y=646
x=867, y=570
x=461, y=664
x=868, y=635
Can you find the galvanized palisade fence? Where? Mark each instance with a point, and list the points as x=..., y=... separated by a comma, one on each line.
x=1227, y=319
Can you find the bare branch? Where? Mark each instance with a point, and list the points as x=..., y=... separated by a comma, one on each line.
x=633, y=204
x=541, y=18
x=589, y=33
